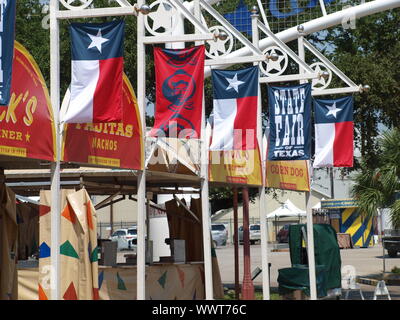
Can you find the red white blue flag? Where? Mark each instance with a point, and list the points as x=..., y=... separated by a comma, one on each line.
x=7, y=34
x=235, y=109
x=97, y=71
x=334, y=132
x=179, y=92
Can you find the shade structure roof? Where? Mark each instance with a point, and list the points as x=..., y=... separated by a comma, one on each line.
x=287, y=209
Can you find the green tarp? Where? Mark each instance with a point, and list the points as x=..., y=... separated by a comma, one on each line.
x=297, y=278
x=327, y=260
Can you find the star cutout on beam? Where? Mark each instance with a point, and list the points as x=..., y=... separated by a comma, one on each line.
x=217, y=46
x=333, y=110
x=319, y=80
x=234, y=83
x=275, y=65
x=97, y=40
x=161, y=18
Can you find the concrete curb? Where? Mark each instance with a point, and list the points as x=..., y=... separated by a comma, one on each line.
x=374, y=282
x=371, y=282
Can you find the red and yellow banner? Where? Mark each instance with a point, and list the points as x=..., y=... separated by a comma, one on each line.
x=237, y=166
x=288, y=175
x=108, y=144
x=27, y=125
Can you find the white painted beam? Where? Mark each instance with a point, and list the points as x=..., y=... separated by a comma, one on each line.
x=319, y=24
x=251, y=59
x=291, y=77
x=176, y=38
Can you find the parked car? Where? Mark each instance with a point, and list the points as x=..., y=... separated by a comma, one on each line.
x=283, y=234
x=254, y=233
x=219, y=234
x=391, y=242
x=126, y=238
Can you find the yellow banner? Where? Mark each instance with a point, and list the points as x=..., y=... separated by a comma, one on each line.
x=103, y=161
x=288, y=175
x=238, y=166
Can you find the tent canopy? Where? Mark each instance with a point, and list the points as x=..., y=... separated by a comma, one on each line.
x=287, y=209
x=318, y=205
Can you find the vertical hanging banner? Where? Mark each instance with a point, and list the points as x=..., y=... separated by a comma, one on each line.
x=7, y=34
x=288, y=175
x=290, y=122
x=96, y=73
x=179, y=92
x=27, y=125
x=334, y=132
x=107, y=144
x=235, y=109
x=234, y=150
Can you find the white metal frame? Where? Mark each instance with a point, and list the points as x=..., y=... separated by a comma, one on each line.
x=250, y=53
x=319, y=24
x=261, y=190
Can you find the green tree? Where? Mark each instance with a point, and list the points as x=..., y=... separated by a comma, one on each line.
x=369, y=54
x=376, y=187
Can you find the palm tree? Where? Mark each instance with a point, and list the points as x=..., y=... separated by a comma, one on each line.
x=376, y=187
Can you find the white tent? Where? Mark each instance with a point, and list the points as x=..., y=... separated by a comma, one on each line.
x=287, y=209
x=318, y=205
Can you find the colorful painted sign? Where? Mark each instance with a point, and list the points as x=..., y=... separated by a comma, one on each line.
x=108, y=144
x=341, y=203
x=288, y=175
x=351, y=220
x=26, y=125
x=237, y=166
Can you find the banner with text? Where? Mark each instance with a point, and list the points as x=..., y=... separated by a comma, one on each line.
x=7, y=35
x=236, y=166
x=288, y=175
x=290, y=122
x=108, y=144
x=27, y=125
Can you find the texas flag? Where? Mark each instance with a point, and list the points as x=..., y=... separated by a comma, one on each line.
x=334, y=135
x=235, y=109
x=97, y=70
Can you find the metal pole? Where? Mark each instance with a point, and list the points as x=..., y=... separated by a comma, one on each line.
x=310, y=246
x=382, y=241
x=205, y=204
x=332, y=183
x=261, y=190
x=141, y=180
x=236, y=242
x=310, y=223
x=206, y=226
x=55, y=167
x=247, y=286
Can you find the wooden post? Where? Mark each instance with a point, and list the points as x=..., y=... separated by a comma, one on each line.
x=111, y=219
x=247, y=286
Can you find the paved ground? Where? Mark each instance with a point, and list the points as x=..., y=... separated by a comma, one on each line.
x=366, y=261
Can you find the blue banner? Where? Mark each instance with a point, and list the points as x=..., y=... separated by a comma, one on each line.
x=7, y=33
x=290, y=122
